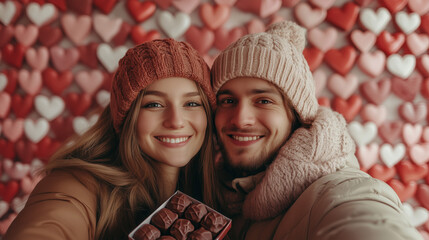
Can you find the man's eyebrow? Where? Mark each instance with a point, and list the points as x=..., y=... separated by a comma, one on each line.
x=161, y=94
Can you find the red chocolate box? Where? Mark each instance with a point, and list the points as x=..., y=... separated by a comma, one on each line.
x=178, y=203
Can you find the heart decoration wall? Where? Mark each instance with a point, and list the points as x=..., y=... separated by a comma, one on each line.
x=369, y=60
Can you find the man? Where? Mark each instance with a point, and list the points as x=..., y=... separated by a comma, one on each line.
x=289, y=169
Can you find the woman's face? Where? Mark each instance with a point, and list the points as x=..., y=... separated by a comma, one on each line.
x=172, y=121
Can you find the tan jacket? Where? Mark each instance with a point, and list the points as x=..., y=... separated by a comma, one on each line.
x=60, y=207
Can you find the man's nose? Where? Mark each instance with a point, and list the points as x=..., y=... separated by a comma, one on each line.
x=174, y=118
x=243, y=115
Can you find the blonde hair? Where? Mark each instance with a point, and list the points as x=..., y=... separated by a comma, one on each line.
x=125, y=180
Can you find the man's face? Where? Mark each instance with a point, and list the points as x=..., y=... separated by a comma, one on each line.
x=251, y=121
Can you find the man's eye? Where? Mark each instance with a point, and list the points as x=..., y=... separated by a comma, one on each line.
x=226, y=101
x=264, y=101
x=152, y=105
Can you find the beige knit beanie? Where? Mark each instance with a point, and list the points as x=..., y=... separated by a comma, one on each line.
x=276, y=56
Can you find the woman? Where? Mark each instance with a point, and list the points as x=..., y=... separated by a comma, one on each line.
x=154, y=138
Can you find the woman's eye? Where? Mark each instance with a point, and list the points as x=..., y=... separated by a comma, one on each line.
x=152, y=105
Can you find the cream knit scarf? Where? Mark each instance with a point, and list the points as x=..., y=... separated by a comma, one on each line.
x=308, y=155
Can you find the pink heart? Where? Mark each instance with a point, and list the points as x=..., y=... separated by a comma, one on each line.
x=5, y=101
x=323, y=39
x=343, y=87
x=419, y=6
x=422, y=195
x=209, y=59
x=37, y=59
x=325, y=4
x=425, y=134
x=419, y=153
x=262, y=8
x=422, y=64
x=26, y=35
x=64, y=59
x=4, y=224
x=201, y=39
x=15, y=170
x=106, y=27
x=13, y=128
x=417, y=43
x=372, y=63
x=30, y=82
x=224, y=37
x=363, y=40
x=411, y=134
x=226, y=2
x=89, y=81
x=309, y=17
x=28, y=184
x=18, y=203
x=367, y=155
x=424, y=234
x=413, y=112
x=390, y=131
x=376, y=92
x=255, y=26
x=186, y=6
x=77, y=28
x=374, y=113
x=319, y=77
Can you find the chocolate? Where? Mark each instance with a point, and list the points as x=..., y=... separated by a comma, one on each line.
x=166, y=238
x=214, y=222
x=178, y=203
x=181, y=228
x=147, y=232
x=163, y=219
x=200, y=234
x=195, y=212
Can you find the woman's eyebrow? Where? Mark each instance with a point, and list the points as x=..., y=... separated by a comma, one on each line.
x=162, y=94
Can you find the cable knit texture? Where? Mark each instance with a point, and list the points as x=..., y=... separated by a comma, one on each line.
x=308, y=155
x=275, y=56
x=154, y=60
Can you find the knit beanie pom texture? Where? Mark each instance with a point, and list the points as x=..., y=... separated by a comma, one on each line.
x=275, y=56
x=147, y=62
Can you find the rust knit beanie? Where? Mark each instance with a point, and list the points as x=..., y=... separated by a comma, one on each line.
x=150, y=61
x=275, y=56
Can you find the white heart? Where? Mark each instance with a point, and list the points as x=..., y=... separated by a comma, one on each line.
x=103, y=98
x=7, y=12
x=408, y=23
x=18, y=203
x=392, y=155
x=15, y=170
x=362, y=134
x=417, y=216
x=110, y=57
x=376, y=22
x=401, y=66
x=4, y=207
x=36, y=130
x=39, y=15
x=3, y=82
x=81, y=124
x=50, y=109
x=174, y=26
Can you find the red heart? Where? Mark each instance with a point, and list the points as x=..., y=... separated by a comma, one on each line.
x=88, y=54
x=384, y=173
x=201, y=39
x=49, y=36
x=422, y=195
x=56, y=82
x=25, y=150
x=13, y=54
x=80, y=6
x=214, y=16
x=45, y=148
x=314, y=57
x=404, y=191
x=78, y=103
x=105, y=6
x=425, y=88
x=343, y=17
x=6, y=34
x=341, y=60
x=9, y=190
x=376, y=92
x=12, y=80
x=424, y=23
x=224, y=37
x=62, y=127
x=324, y=101
x=407, y=89
x=60, y=4
x=413, y=112
x=163, y=4
x=410, y=172
x=140, y=11
x=107, y=81
x=394, y=6
x=122, y=35
x=348, y=108
x=139, y=35
x=390, y=132
x=422, y=64
x=22, y=106
x=390, y=43
x=7, y=149
x=363, y=3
